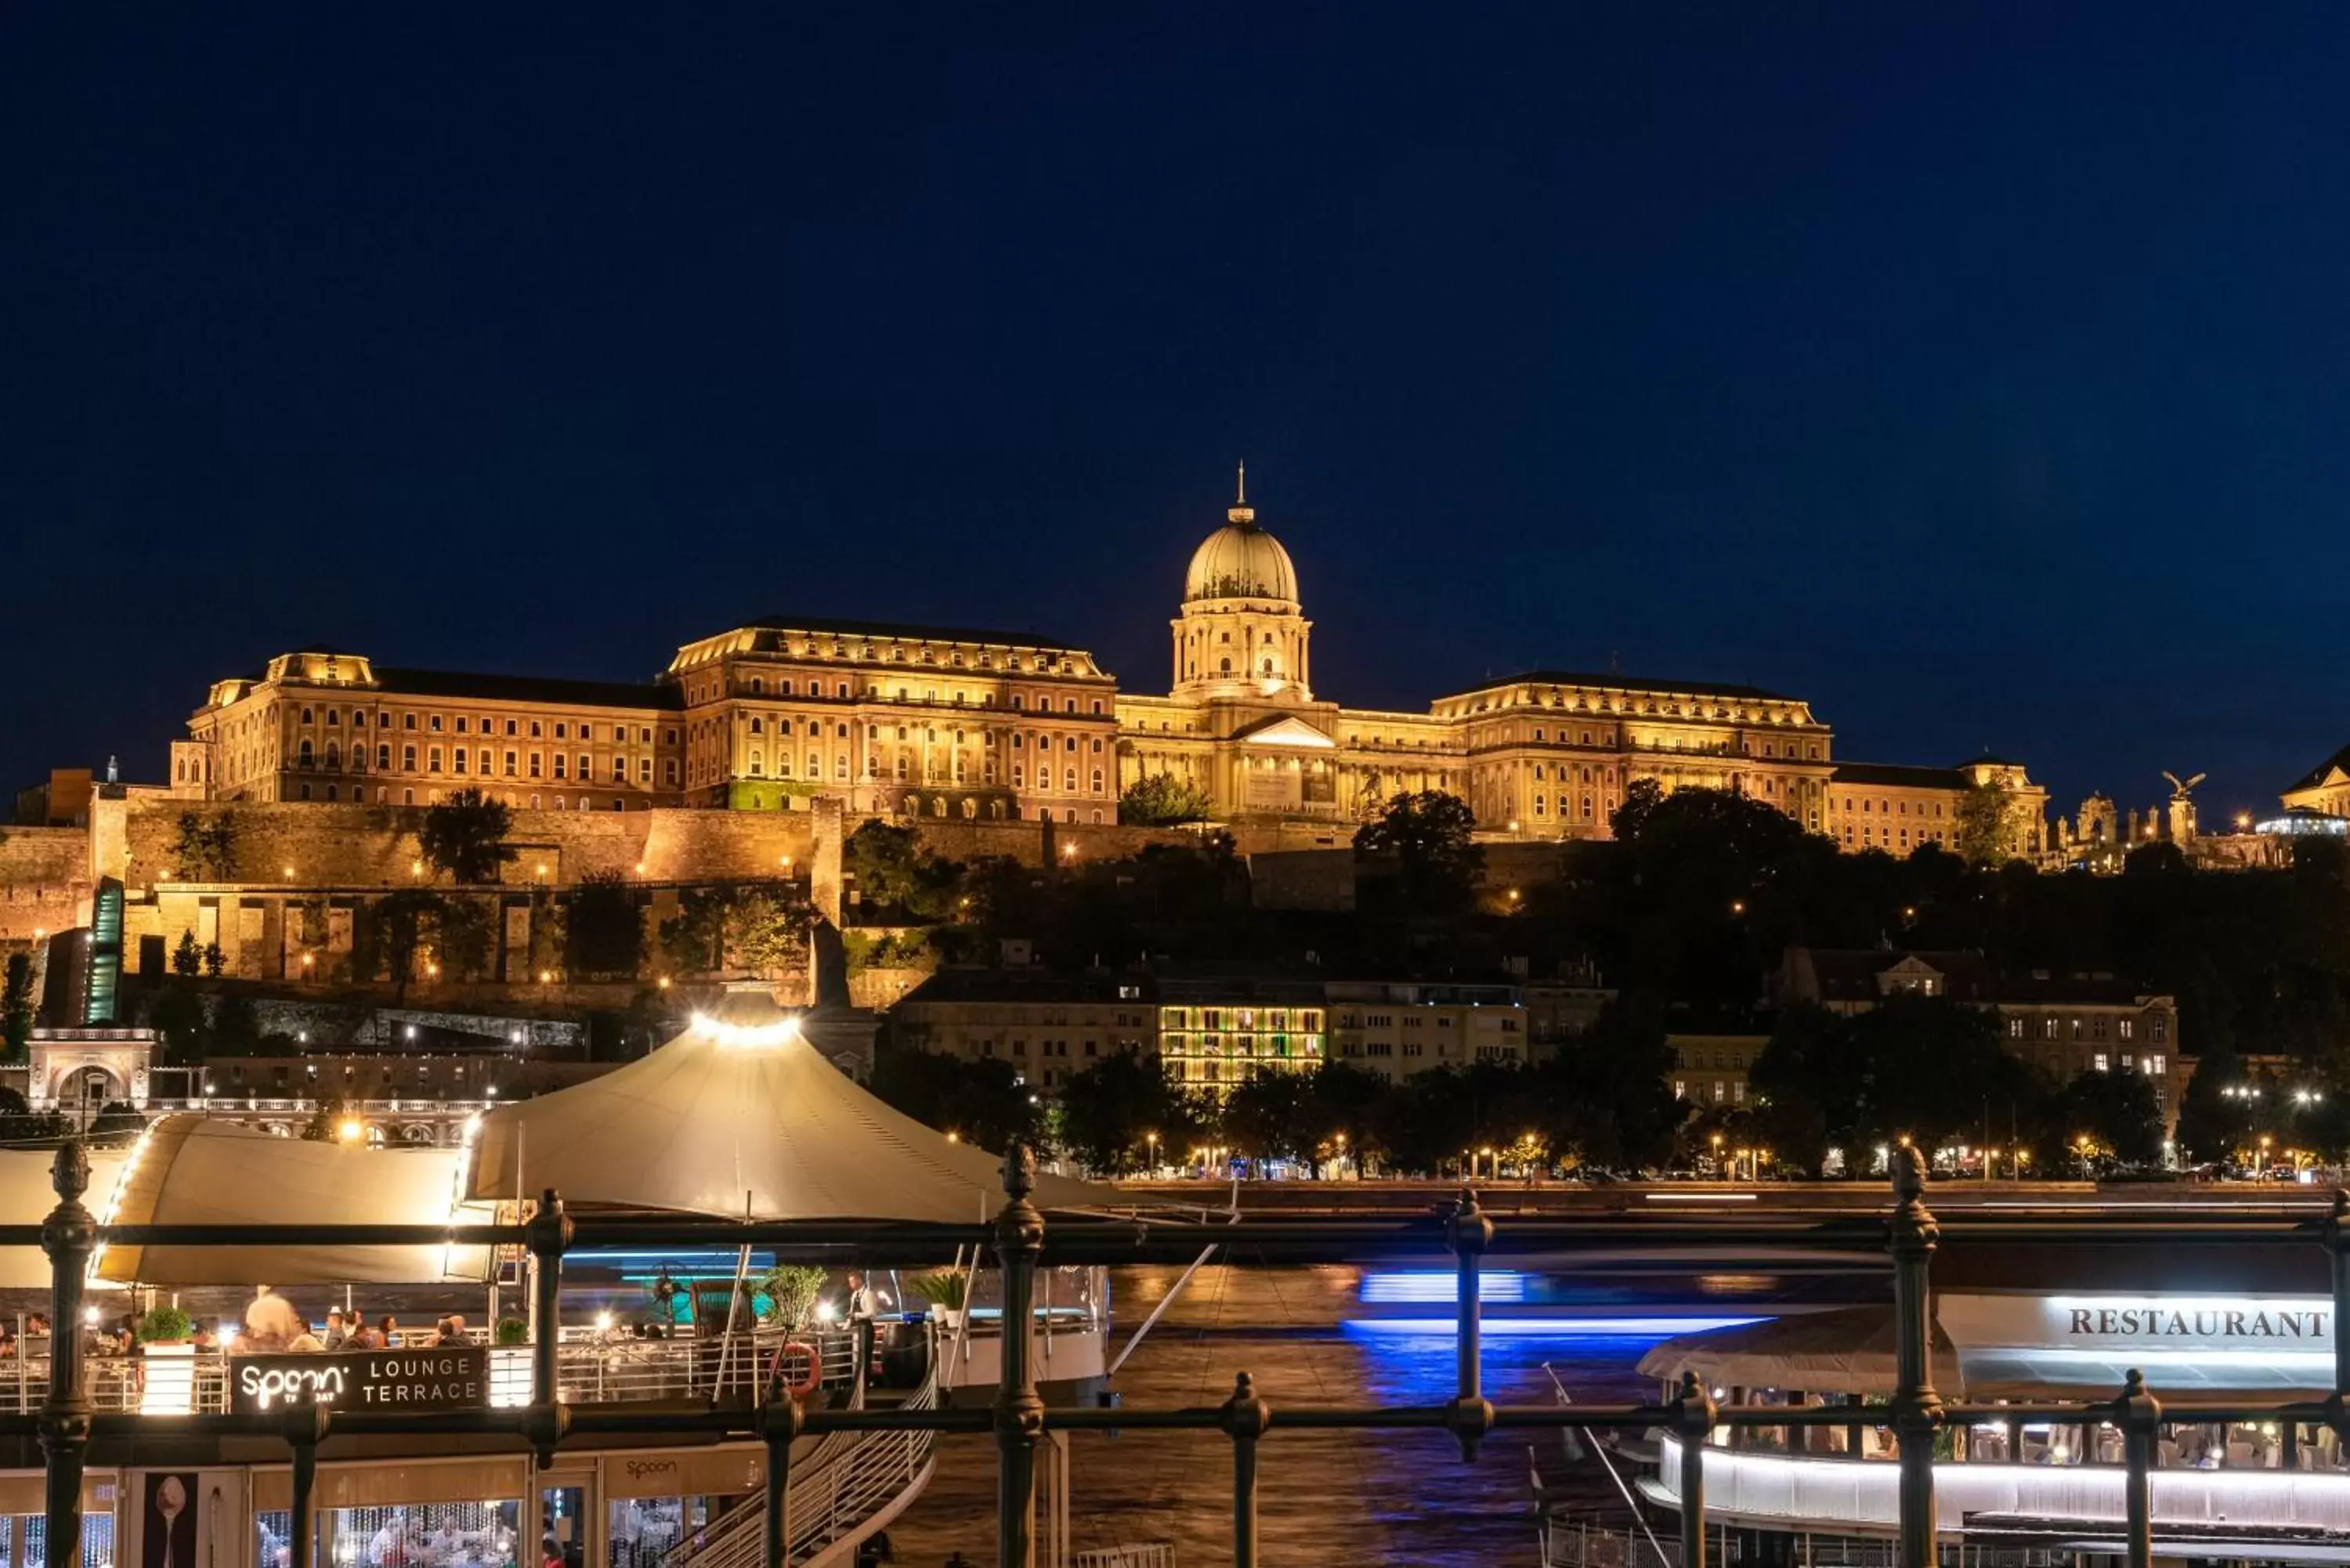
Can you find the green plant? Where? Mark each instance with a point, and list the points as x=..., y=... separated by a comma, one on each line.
x=165, y=1325
x=791, y=1290
x=941, y=1290
x=513, y=1330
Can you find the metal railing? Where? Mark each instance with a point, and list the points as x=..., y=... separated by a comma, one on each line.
x=1019, y=1421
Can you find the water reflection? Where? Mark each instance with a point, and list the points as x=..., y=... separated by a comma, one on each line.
x=1322, y=1497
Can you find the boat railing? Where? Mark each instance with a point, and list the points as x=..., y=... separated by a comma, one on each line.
x=1587, y=1543
x=745, y=1372
x=837, y=1490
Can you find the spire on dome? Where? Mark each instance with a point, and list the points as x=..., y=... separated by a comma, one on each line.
x=1240, y=511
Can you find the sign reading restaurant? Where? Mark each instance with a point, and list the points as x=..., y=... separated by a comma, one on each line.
x=2120, y=1323
x=456, y=1378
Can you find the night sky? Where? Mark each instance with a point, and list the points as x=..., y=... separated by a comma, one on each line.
x=1979, y=373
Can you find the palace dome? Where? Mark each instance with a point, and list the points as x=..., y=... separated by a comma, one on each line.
x=1240, y=560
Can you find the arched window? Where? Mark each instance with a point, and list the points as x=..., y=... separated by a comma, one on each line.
x=1225, y=667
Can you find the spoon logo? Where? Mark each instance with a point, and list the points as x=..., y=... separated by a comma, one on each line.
x=265, y=1387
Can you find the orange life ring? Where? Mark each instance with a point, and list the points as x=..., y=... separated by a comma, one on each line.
x=800, y=1391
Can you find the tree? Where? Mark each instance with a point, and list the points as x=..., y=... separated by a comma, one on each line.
x=396, y=930
x=236, y=1026
x=1273, y=1115
x=187, y=959
x=117, y=1119
x=1437, y=861
x=324, y=1125
x=1110, y=1109
x=2117, y=1111
x=891, y=868
x=463, y=837
x=1163, y=800
x=215, y=961
x=691, y=939
x=177, y=1013
x=462, y=937
x=983, y=1102
x=2214, y=1119
x=603, y=935
x=17, y=1008
x=1641, y=798
x=1979, y=831
x=203, y=847
x=765, y=929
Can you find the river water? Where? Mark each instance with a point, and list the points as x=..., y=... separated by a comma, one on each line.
x=1324, y=1498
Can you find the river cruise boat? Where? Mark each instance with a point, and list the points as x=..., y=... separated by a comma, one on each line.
x=2022, y=1491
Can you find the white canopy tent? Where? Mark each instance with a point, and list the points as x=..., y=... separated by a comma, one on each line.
x=27, y=1197
x=739, y=1116
x=190, y=1170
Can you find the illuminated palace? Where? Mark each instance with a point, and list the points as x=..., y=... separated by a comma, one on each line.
x=946, y=722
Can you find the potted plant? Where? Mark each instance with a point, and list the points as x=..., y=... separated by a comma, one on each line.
x=790, y=1291
x=165, y=1325
x=168, y=1378
x=513, y=1330
x=944, y=1293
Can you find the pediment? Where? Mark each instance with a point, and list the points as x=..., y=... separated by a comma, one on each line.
x=1285, y=732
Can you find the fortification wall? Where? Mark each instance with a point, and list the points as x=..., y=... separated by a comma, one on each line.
x=45, y=881
x=320, y=845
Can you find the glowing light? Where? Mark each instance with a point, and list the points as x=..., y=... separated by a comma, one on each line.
x=664, y=982
x=1440, y=1285
x=603, y=1323
x=953, y=1136
x=351, y=1131
x=826, y=1312
x=746, y=1037
x=1568, y=1327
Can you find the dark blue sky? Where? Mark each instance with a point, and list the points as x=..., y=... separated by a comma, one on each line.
x=1980, y=373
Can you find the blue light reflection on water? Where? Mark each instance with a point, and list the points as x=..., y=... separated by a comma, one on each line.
x=1650, y=1329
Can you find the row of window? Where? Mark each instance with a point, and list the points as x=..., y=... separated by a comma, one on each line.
x=2092, y=1027
x=564, y=728
x=482, y=763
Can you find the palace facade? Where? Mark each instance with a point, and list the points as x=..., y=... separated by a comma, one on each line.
x=948, y=722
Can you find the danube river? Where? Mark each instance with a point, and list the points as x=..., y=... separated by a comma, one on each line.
x=1330, y=1497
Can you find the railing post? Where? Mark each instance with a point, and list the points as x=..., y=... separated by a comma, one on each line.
x=1915, y=1408
x=1019, y=1412
x=2139, y=1415
x=2337, y=1244
x=69, y=1235
x=1246, y=1416
x=548, y=1235
x=1694, y=1416
x=1469, y=1233
x=306, y=1427
x=780, y=1424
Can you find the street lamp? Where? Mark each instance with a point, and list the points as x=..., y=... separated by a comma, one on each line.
x=1152, y=1138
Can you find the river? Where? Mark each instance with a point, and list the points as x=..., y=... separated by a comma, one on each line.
x=1324, y=1498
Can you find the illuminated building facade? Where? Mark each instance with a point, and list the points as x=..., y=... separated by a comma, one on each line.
x=951, y=723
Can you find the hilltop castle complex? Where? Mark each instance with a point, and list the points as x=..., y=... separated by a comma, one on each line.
x=950, y=723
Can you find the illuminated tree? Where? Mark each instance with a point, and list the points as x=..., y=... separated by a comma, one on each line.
x=1163, y=800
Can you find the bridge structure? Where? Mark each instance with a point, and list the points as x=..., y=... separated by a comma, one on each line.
x=1904, y=1234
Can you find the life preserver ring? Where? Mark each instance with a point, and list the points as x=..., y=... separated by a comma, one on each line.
x=808, y=1385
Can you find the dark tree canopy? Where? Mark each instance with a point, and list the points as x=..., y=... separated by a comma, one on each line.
x=1438, y=862
x=603, y=933
x=463, y=837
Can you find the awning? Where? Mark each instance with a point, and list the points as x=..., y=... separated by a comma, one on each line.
x=191, y=1170
x=739, y=1116
x=27, y=1197
x=1849, y=1350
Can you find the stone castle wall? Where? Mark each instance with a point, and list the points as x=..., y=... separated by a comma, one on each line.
x=318, y=844
x=45, y=881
